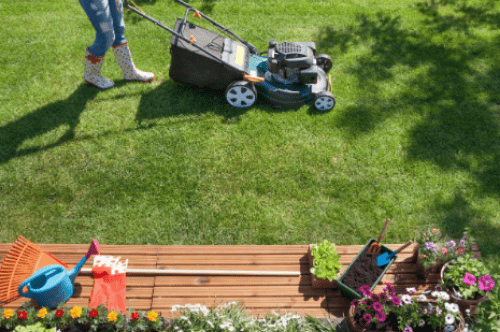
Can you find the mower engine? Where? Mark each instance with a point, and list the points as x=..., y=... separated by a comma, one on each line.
x=290, y=63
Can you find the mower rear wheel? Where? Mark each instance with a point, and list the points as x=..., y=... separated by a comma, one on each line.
x=241, y=94
x=324, y=101
x=324, y=61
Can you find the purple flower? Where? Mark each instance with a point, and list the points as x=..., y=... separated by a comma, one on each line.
x=365, y=290
x=462, y=242
x=486, y=283
x=411, y=290
x=452, y=244
x=374, y=297
x=377, y=306
x=430, y=246
x=367, y=319
x=354, y=302
x=439, y=288
x=469, y=279
x=395, y=300
x=380, y=316
x=382, y=297
x=408, y=329
x=389, y=288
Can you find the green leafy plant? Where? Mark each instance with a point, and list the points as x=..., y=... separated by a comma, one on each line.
x=326, y=263
x=469, y=275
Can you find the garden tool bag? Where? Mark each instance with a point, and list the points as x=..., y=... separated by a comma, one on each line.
x=109, y=283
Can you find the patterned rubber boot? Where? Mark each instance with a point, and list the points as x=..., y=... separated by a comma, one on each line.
x=130, y=72
x=92, y=75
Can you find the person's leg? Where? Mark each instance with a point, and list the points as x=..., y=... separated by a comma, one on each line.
x=121, y=49
x=99, y=14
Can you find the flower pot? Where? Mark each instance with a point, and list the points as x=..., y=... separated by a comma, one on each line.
x=318, y=282
x=347, y=276
x=423, y=272
x=354, y=326
x=470, y=304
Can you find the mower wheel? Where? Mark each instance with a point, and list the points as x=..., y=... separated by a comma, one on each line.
x=324, y=61
x=324, y=101
x=241, y=94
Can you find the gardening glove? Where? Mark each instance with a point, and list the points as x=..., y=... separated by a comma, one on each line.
x=110, y=283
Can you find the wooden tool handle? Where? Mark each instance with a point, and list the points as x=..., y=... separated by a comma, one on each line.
x=384, y=229
x=404, y=246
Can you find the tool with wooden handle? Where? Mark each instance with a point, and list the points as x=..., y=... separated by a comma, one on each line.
x=375, y=247
x=386, y=257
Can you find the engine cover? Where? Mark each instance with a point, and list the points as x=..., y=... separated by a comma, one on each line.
x=290, y=63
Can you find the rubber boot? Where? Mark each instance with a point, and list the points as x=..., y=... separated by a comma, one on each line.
x=130, y=72
x=92, y=75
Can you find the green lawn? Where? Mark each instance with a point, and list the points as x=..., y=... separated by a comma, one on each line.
x=414, y=136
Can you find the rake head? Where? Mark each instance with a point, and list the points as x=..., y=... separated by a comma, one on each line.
x=374, y=248
x=94, y=249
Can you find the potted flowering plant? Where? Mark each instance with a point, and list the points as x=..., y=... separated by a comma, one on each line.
x=468, y=281
x=390, y=312
x=325, y=264
x=434, y=250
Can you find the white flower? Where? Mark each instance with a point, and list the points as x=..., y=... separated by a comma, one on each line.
x=406, y=299
x=421, y=323
x=436, y=294
x=176, y=327
x=439, y=312
x=411, y=290
x=449, y=328
x=457, y=293
x=449, y=319
x=429, y=306
x=467, y=311
x=453, y=308
x=422, y=297
x=210, y=323
x=444, y=296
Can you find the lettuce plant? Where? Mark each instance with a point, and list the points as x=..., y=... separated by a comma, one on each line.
x=326, y=263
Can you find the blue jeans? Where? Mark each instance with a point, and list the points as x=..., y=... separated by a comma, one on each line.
x=108, y=23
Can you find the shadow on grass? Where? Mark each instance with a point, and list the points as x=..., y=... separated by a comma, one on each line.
x=44, y=120
x=454, y=89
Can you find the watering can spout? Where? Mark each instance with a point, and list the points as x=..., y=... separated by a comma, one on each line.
x=94, y=249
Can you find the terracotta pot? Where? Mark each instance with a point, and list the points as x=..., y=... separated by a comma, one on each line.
x=470, y=304
x=355, y=327
x=317, y=282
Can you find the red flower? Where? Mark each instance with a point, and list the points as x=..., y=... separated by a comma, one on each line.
x=22, y=315
x=93, y=313
x=59, y=313
x=135, y=316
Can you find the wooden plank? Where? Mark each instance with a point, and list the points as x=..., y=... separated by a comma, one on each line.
x=238, y=291
x=201, y=281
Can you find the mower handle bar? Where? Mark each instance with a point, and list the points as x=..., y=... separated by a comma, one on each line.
x=189, y=8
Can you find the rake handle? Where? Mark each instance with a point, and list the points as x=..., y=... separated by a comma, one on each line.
x=404, y=246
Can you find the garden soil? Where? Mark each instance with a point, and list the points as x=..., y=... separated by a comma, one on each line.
x=363, y=272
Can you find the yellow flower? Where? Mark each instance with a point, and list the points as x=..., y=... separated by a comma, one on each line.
x=152, y=316
x=112, y=316
x=76, y=312
x=42, y=313
x=8, y=313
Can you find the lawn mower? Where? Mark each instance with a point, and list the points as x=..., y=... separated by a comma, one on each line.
x=289, y=76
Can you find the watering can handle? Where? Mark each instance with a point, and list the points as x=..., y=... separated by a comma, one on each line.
x=26, y=282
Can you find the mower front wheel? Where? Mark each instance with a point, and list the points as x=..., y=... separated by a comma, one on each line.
x=241, y=94
x=324, y=61
x=324, y=101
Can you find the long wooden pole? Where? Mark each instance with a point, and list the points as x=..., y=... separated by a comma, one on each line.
x=206, y=272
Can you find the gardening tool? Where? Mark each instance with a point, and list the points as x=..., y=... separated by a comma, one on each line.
x=22, y=260
x=386, y=257
x=53, y=284
x=375, y=246
x=290, y=75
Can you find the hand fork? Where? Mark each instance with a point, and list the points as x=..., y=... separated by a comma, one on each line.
x=375, y=247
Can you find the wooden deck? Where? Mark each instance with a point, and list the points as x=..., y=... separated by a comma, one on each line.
x=259, y=294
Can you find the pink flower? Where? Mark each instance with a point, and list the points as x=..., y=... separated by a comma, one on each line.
x=377, y=306
x=438, y=288
x=408, y=329
x=469, y=279
x=395, y=300
x=374, y=297
x=444, y=250
x=380, y=316
x=382, y=297
x=354, y=303
x=367, y=318
x=486, y=283
x=389, y=288
x=460, y=251
x=365, y=290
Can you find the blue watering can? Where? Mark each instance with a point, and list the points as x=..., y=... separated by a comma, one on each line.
x=52, y=284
